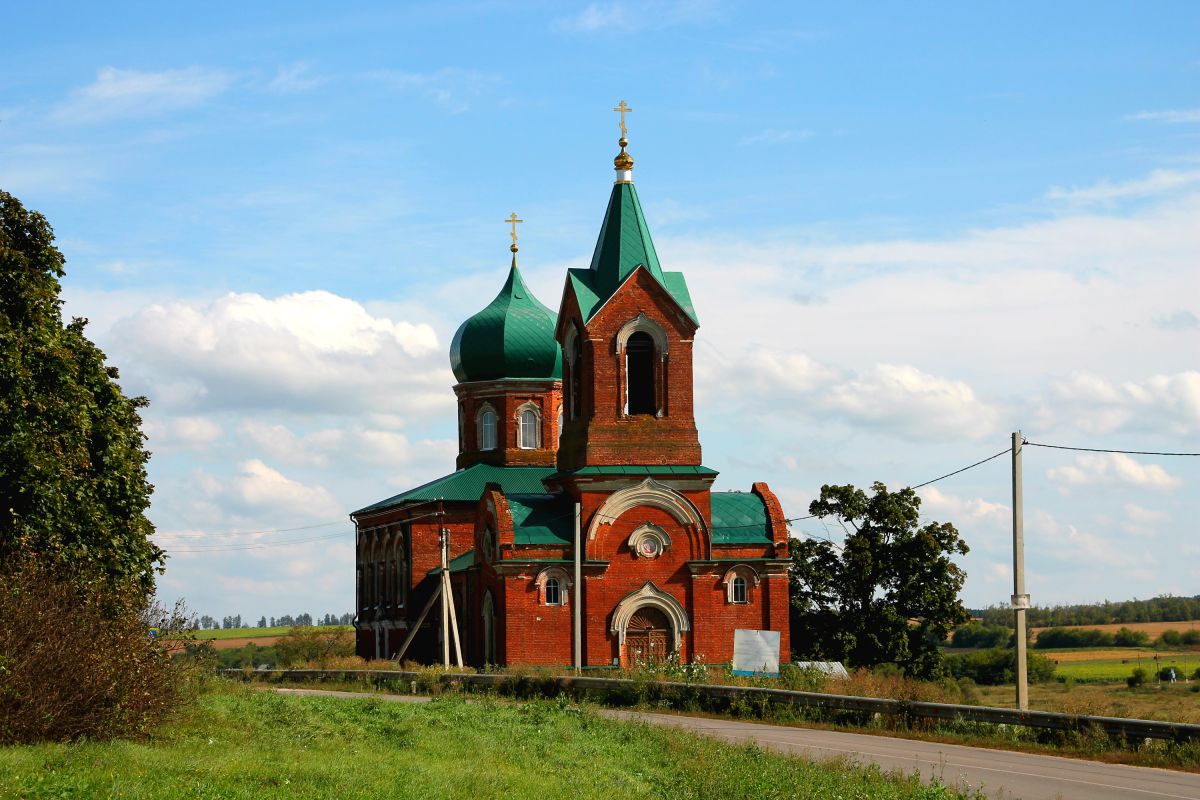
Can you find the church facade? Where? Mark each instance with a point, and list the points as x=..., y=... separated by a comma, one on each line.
x=582, y=525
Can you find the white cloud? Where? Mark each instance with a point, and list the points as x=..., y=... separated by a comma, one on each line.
x=451, y=88
x=936, y=501
x=773, y=136
x=1068, y=543
x=1172, y=115
x=1097, y=405
x=1144, y=522
x=622, y=17
x=181, y=432
x=1112, y=469
x=1179, y=320
x=1157, y=182
x=293, y=79
x=118, y=92
x=902, y=399
x=308, y=351
x=259, y=489
x=327, y=446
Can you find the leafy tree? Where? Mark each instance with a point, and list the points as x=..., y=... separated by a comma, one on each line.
x=73, y=486
x=892, y=592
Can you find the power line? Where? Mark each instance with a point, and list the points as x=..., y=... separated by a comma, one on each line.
x=1104, y=450
x=964, y=469
x=256, y=545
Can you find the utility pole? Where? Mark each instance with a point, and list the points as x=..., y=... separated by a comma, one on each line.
x=444, y=543
x=1020, y=600
x=577, y=600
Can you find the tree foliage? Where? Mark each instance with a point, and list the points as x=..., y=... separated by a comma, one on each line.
x=1167, y=608
x=892, y=592
x=73, y=485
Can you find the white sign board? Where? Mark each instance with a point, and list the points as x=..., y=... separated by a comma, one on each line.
x=755, y=652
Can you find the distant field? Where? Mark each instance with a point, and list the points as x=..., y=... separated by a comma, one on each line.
x=258, y=633
x=1118, y=669
x=1152, y=629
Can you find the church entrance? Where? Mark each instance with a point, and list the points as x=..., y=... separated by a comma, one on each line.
x=648, y=638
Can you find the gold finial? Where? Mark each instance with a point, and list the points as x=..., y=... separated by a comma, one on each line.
x=511, y=219
x=623, y=162
x=623, y=109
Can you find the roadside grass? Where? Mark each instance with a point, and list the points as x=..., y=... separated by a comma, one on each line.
x=1179, y=702
x=258, y=633
x=239, y=743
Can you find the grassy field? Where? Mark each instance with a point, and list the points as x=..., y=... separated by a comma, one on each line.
x=1169, y=703
x=258, y=633
x=1104, y=665
x=237, y=743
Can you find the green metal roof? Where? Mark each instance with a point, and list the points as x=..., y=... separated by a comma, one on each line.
x=513, y=337
x=457, y=564
x=624, y=244
x=739, y=518
x=640, y=469
x=541, y=519
x=467, y=485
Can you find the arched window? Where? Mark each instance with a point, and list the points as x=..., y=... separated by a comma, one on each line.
x=486, y=424
x=641, y=397
x=576, y=365
x=462, y=428
x=560, y=424
x=553, y=592
x=737, y=590
x=529, y=429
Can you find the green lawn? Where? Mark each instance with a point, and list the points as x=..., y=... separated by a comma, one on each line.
x=237, y=743
x=254, y=633
x=1116, y=669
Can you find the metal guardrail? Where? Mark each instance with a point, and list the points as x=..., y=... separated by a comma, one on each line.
x=1129, y=729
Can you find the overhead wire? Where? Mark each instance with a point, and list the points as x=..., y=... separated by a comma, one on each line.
x=1106, y=450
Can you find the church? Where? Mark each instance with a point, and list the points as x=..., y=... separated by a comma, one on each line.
x=580, y=525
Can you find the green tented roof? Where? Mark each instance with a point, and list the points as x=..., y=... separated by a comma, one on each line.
x=624, y=245
x=739, y=518
x=468, y=484
x=541, y=519
x=513, y=337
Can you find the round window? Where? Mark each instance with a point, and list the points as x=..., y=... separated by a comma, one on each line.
x=649, y=547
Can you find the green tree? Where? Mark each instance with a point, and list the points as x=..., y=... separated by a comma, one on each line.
x=892, y=592
x=73, y=488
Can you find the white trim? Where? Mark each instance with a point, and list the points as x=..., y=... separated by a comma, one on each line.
x=642, y=324
x=564, y=585
x=649, y=541
x=649, y=493
x=481, y=440
x=650, y=595
x=746, y=573
x=537, y=425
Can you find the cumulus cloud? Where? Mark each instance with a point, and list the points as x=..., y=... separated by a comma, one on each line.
x=126, y=92
x=1098, y=405
x=311, y=351
x=1144, y=522
x=936, y=501
x=904, y=399
x=182, y=432
x=1112, y=469
x=321, y=448
x=259, y=489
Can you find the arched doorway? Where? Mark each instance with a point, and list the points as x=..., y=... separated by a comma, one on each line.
x=648, y=637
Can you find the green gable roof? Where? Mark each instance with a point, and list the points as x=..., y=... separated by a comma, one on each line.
x=513, y=337
x=542, y=519
x=623, y=246
x=468, y=484
x=739, y=518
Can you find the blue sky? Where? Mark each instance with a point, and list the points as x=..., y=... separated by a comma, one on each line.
x=909, y=230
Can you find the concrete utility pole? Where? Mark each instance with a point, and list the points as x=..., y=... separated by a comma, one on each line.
x=577, y=600
x=1020, y=600
x=444, y=541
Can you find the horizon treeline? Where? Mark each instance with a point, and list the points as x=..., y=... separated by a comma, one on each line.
x=1167, y=608
x=207, y=623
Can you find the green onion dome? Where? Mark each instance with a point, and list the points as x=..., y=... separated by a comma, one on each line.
x=512, y=338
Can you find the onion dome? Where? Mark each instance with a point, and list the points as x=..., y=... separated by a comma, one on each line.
x=512, y=338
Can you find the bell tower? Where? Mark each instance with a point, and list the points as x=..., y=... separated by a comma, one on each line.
x=627, y=330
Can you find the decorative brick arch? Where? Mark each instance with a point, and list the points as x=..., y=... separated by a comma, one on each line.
x=653, y=494
x=645, y=325
x=650, y=595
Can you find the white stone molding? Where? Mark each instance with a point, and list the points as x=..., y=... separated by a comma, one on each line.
x=649, y=541
x=564, y=583
x=568, y=346
x=528, y=405
x=650, y=595
x=649, y=493
x=483, y=409
x=642, y=323
x=747, y=573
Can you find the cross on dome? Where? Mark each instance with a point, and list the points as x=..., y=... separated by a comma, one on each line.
x=511, y=219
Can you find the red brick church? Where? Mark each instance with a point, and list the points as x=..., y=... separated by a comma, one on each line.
x=577, y=427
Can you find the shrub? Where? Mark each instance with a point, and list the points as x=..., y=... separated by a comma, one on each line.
x=997, y=666
x=77, y=658
x=1074, y=637
x=1130, y=638
x=1171, y=638
x=1137, y=678
x=976, y=635
x=312, y=646
x=1191, y=636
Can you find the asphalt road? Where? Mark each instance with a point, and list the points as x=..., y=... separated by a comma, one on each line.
x=1001, y=774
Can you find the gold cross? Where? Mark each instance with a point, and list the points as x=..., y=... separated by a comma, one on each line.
x=623, y=109
x=512, y=220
